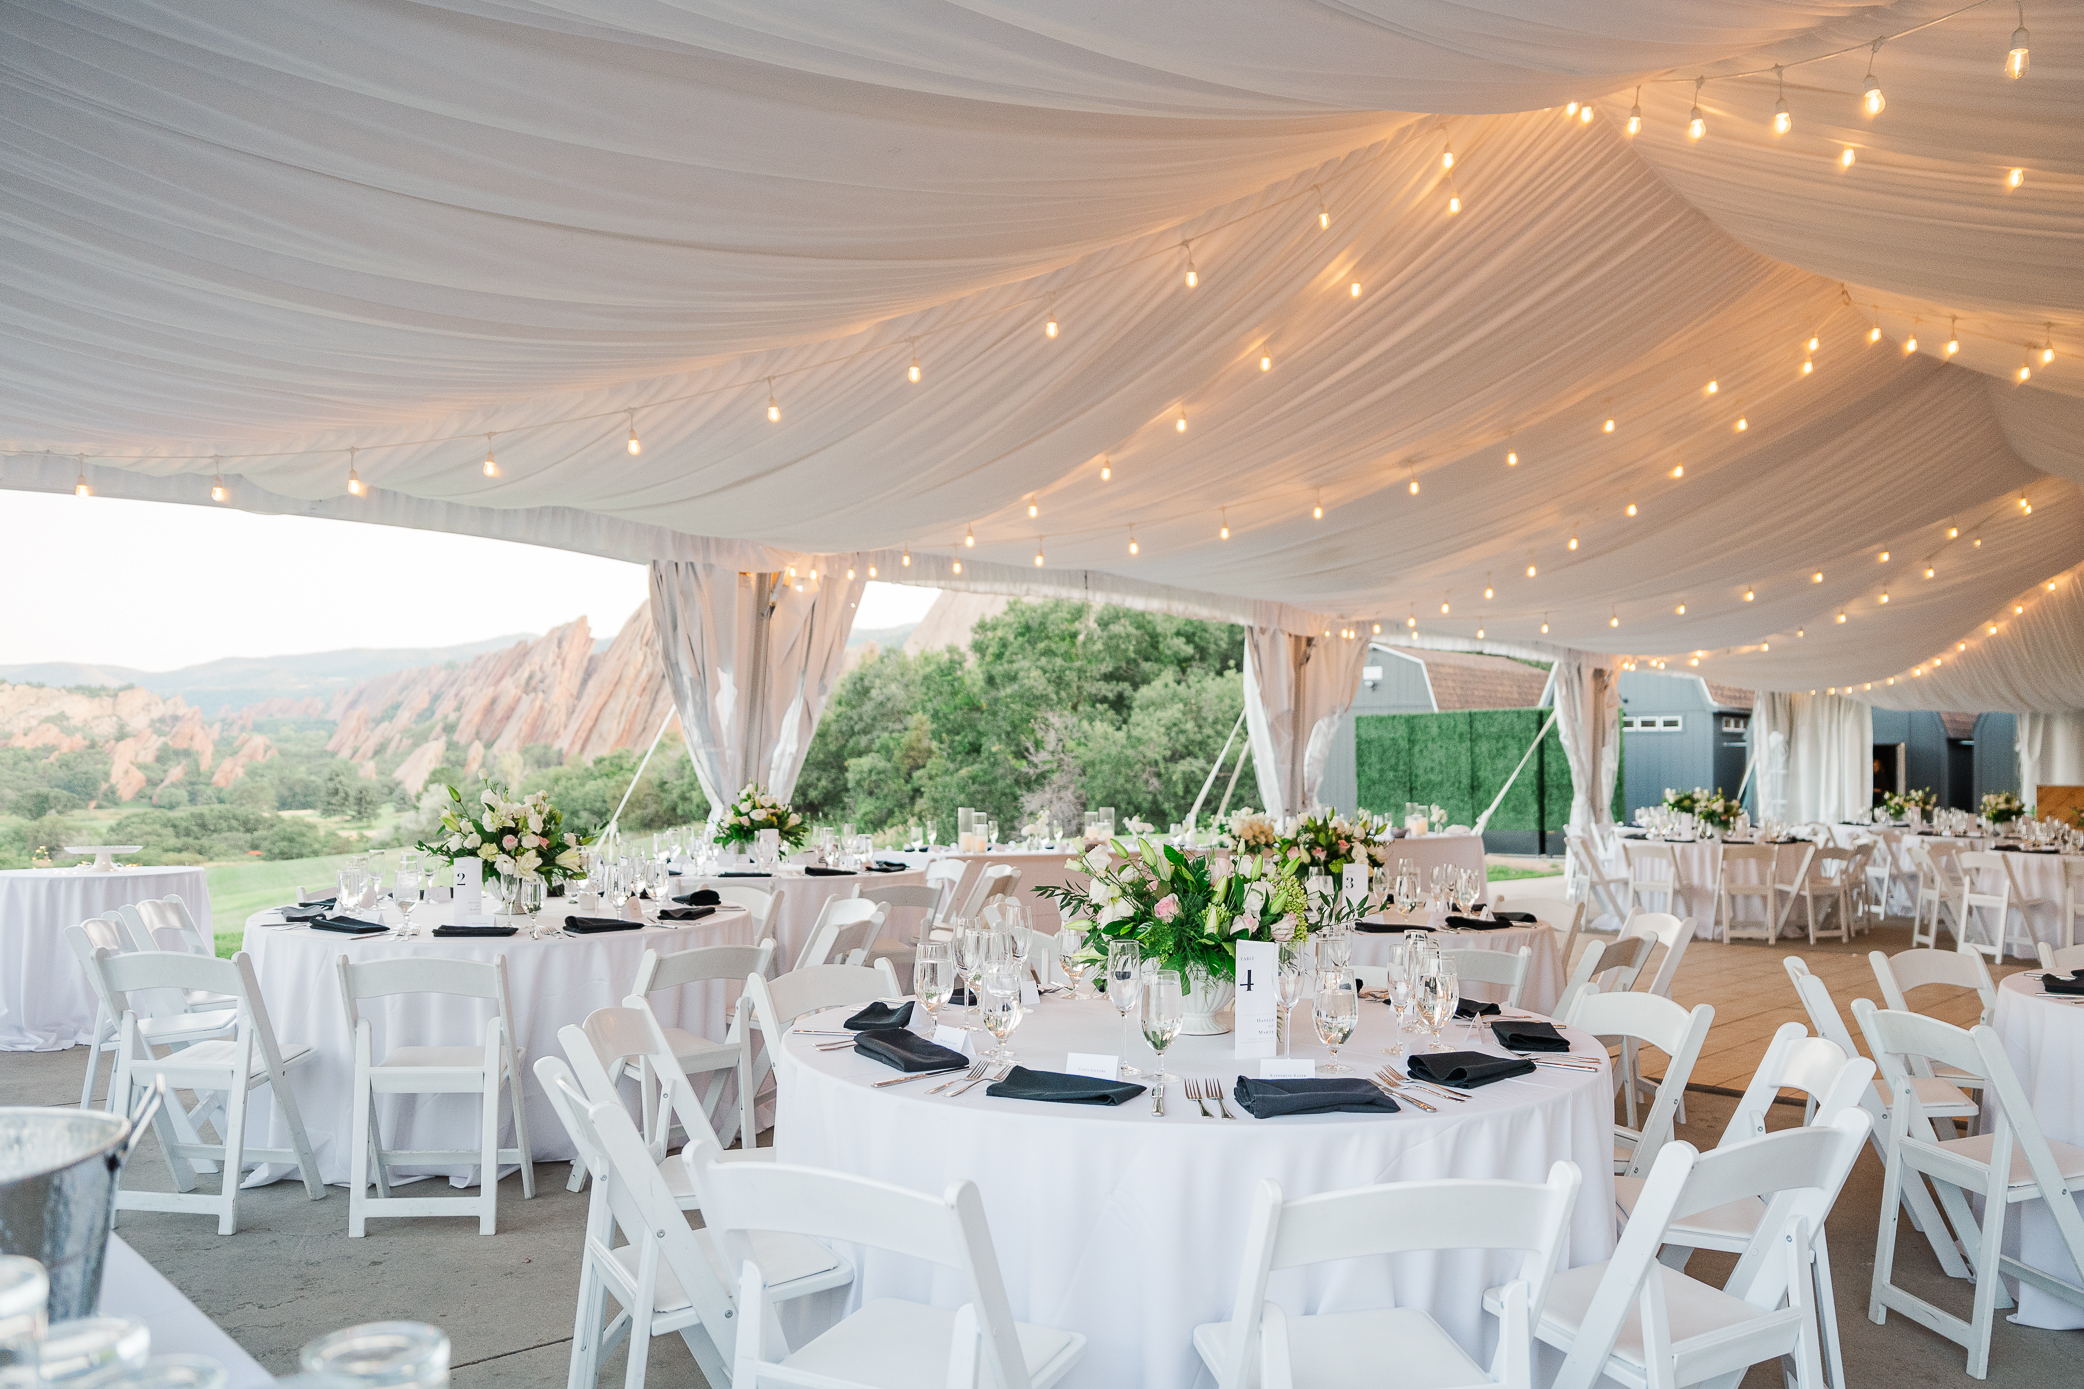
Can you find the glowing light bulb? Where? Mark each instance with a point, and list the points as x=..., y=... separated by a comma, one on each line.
x=1571, y=109
x=1049, y=324
x=80, y=488
x=908, y=557
x=1486, y=590
x=1193, y=278
x=1783, y=121
x=1224, y=533
x=1910, y=344
x=1631, y=508
x=1614, y=621
x=2015, y=60
x=1846, y=157
x=1808, y=367
x=773, y=409
x=1378, y=629
x=1681, y=610
x=1573, y=540
x=1882, y=558
x=1992, y=629
x=1354, y=289
x=1411, y=622
x=1034, y=509
x=1443, y=607
x=1696, y=126
x=1817, y=577
x=957, y=564
x=1584, y=114
x=1447, y=158
x=217, y=489
x=1038, y=553
x=1953, y=339
x=1317, y=511
x=1871, y=99
x=914, y=372
x=2047, y=344
x=2015, y=178
x=354, y=484
x=1678, y=470
x=1953, y=532
x=1874, y=333
x=2018, y=609
x=491, y=463
x=1841, y=617
x=1414, y=487
x=1977, y=542
x=1323, y=218
x=1742, y=425
x=1454, y=205
x=1106, y=469
x=1635, y=125
x=1750, y=594
x=1884, y=595
x=1530, y=571
x=1928, y=571
x=871, y=571
x=636, y=445
x=1266, y=363
x=1813, y=343
x=1607, y=428
x=2025, y=371
x=1544, y=626
x=1714, y=386
x=969, y=539
x=1180, y=424
x=850, y=574
x=1133, y=549
x=1512, y=460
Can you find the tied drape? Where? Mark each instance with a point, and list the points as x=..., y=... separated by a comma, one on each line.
x=1297, y=688
x=2051, y=752
x=1816, y=756
x=1588, y=719
x=751, y=658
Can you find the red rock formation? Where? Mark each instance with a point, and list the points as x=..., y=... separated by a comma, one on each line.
x=254, y=747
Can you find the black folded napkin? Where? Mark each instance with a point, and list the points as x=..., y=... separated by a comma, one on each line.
x=474, y=932
x=1519, y=918
x=685, y=913
x=1470, y=1008
x=700, y=897
x=315, y=901
x=593, y=925
x=889, y=865
x=742, y=873
x=817, y=870
x=2056, y=984
x=1381, y=928
x=1524, y=1034
x=346, y=926
x=1477, y=923
x=907, y=1051
x=879, y=1015
x=2006, y=848
x=1270, y=1099
x=1466, y=1070
x=305, y=913
x=1057, y=1088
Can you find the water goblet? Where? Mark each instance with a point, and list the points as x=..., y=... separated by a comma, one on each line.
x=1000, y=1001
x=1069, y=942
x=933, y=977
x=1124, y=989
x=1162, y=1011
x=1336, y=1012
x=1400, y=994
x=1294, y=974
x=1438, y=991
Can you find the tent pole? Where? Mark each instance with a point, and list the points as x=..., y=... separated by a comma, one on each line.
x=1210, y=779
x=616, y=818
x=1243, y=755
x=1499, y=799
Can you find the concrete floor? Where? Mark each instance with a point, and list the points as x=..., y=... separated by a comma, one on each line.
x=291, y=1273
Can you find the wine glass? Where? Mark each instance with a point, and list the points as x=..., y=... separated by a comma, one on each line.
x=933, y=977
x=1438, y=991
x=962, y=935
x=1069, y=942
x=1000, y=1001
x=931, y=838
x=1400, y=994
x=1162, y=1010
x=1293, y=976
x=1124, y=988
x=1338, y=944
x=1336, y=1013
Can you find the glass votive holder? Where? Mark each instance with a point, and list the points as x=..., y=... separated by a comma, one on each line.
x=81, y=1349
x=382, y=1355
x=164, y=1372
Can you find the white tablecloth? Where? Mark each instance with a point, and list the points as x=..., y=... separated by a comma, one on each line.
x=1544, y=985
x=45, y=1001
x=1130, y=1228
x=549, y=983
x=1431, y=850
x=2045, y=1040
x=803, y=899
x=130, y=1287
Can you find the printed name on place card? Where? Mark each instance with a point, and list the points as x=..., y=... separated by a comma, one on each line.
x=1092, y=1065
x=953, y=1038
x=1289, y=1068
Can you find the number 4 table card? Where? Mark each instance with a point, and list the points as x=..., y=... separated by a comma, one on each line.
x=1258, y=992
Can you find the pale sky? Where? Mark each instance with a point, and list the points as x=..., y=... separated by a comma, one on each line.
x=156, y=586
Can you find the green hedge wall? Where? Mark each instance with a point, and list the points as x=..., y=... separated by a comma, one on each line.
x=1459, y=760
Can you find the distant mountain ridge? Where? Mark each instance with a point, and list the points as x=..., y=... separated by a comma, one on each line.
x=222, y=687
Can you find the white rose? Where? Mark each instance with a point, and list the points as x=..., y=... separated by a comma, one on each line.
x=488, y=851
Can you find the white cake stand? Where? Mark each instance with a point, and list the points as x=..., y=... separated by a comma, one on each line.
x=104, y=855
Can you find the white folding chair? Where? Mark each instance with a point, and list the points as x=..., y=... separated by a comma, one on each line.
x=1986, y=887
x=1907, y=970
x=1663, y=1024
x=100, y=933
x=2013, y=1161
x=1746, y=876
x=1790, y=874
x=665, y=1277
x=1828, y=881
x=1395, y=1218
x=900, y=946
x=163, y=923
x=2062, y=961
x=1858, y=884
x=1933, y=899
x=2019, y=938
x=706, y=964
x=765, y=905
x=1653, y=871
x=1674, y=934
x=228, y=1067
x=1830, y=1082
x=1581, y=980
x=1590, y=882
x=885, y=1342
x=845, y=928
x=771, y=1006
x=1645, y=1325
x=466, y=1070
x=1577, y=924
x=995, y=880
x=1480, y=966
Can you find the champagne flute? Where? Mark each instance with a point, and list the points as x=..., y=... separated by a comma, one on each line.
x=933, y=977
x=1124, y=988
x=1069, y=942
x=1336, y=1012
x=1293, y=976
x=963, y=933
x=1000, y=1001
x=1161, y=1017
x=1439, y=989
x=1399, y=994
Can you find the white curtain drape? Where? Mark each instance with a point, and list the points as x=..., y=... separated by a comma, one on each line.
x=2051, y=752
x=751, y=658
x=1825, y=743
x=1588, y=719
x=1297, y=688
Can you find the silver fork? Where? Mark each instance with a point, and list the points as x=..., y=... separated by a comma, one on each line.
x=1388, y=1081
x=1215, y=1092
x=997, y=1074
x=1194, y=1094
x=974, y=1071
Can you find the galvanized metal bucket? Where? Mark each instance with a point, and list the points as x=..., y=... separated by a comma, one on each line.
x=58, y=1179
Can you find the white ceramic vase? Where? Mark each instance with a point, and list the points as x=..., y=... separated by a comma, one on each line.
x=1199, y=1009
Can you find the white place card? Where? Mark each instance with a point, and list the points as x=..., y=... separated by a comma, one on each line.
x=1288, y=1068
x=467, y=886
x=1093, y=1066
x=463, y=918
x=953, y=1038
x=1030, y=996
x=1354, y=882
x=1255, y=1012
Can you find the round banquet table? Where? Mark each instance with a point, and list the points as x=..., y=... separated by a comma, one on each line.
x=1544, y=984
x=1130, y=1228
x=2044, y=1038
x=1038, y=868
x=550, y=983
x=46, y=1003
x=1428, y=851
x=803, y=899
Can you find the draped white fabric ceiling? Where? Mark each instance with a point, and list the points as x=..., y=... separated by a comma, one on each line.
x=274, y=231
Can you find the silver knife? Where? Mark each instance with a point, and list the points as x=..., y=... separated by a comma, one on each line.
x=920, y=1075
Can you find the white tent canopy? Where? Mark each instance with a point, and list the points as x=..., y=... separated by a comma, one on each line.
x=245, y=239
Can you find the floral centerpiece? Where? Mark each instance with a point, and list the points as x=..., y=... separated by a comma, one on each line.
x=522, y=838
x=754, y=810
x=1899, y=804
x=2002, y=807
x=1251, y=831
x=1326, y=843
x=1709, y=807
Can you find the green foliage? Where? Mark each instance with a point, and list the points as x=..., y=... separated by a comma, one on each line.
x=1458, y=760
x=1055, y=706
x=587, y=793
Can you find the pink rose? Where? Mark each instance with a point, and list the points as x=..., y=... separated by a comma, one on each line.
x=509, y=842
x=1167, y=908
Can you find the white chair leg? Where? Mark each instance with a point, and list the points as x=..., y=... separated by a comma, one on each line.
x=1827, y=1312
x=1989, y=1286
x=521, y=1138
x=234, y=1159
x=1800, y=1294
x=488, y=1158
x=361, y=1148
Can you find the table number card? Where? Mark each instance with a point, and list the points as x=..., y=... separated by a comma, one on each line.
x=1355, y=886
x=467, y=891
x=1258, y=992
